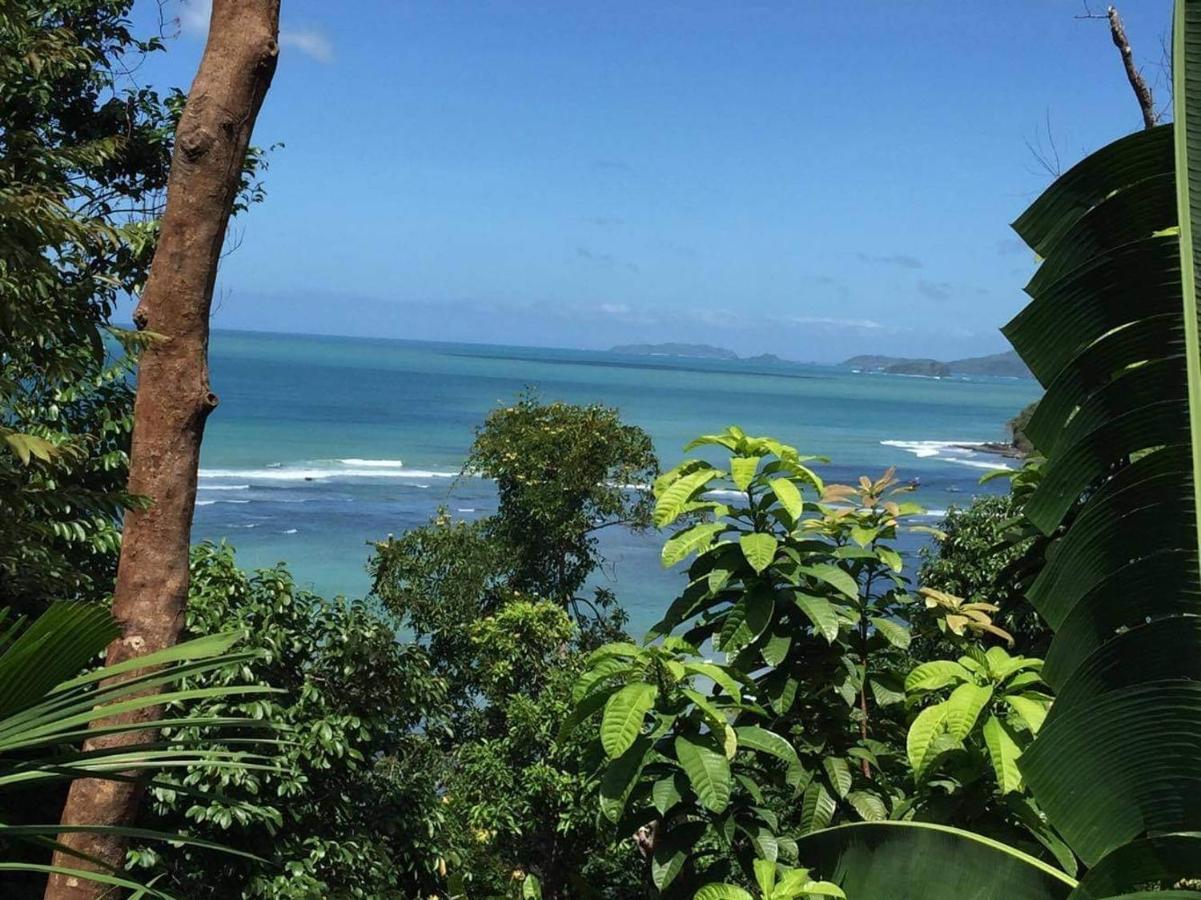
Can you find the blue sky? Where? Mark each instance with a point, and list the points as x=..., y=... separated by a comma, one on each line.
x=812, y=179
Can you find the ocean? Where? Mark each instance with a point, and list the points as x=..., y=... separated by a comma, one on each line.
x=322, y=445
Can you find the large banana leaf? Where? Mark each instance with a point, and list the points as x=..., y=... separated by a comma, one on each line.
x=919, y=861
x=1112, y=334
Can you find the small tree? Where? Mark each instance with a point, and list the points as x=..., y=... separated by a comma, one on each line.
x=563, y=473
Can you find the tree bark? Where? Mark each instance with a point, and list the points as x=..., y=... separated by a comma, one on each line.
x=174, y=398
x=1138, y=84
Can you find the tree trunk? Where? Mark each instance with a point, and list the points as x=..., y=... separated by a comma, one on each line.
x=1138, y=84
x=174, y=398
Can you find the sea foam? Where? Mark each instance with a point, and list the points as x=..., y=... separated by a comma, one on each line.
x=321, y=470
x=963, y=453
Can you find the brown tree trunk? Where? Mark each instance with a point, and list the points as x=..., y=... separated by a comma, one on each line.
x=1138, y=84
x=174, y=397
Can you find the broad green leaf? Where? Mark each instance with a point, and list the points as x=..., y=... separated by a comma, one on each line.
x=920, y=861
x=1004, y=752
x=707, y=769
x=602, y=669
x=696, y=539
x=670, y=503
x=789, y=496
x=1153, y=864
x=531, y=888
x=719, y=727
x=1031, y=711
x=922, y=733
x=839, y=772
x=667, y=792
x=870, y=807
x=895, y=633
x=584, y=708
x=718, y=675
x=817, y=807
x=776, y=647
x=624, y=715
x=759, y=549
x=890, y=558
x=747, y=619
x=963, y=707
x=743, y=469
x=620, y=777
x=820, y=612
x=833, y=576
x=752, y=737
x=765, y=875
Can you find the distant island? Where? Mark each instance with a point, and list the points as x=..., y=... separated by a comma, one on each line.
x=1007, y=364
x=691, y=351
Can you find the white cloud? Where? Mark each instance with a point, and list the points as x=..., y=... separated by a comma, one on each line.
x=194, y=20
x=837, y=323
x=308, y=41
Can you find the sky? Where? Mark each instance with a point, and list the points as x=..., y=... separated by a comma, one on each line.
x=810, y=179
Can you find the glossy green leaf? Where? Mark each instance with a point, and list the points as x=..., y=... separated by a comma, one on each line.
x=747, y=619
x=759, y=548
x=789, y=497
x=839, y=772
x=707, y=769
x=696, y=539
x=919, y=742
x=930, y=676
x=895, y=633
x=743, y=469
x=821, y=613
x=963, y=707
x=671, y=501
x=1003, y=751
x=624, y=715
x=721, y=892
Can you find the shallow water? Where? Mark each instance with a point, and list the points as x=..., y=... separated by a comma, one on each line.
x=321, y=445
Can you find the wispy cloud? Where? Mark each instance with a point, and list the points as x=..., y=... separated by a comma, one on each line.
x=310, y=42
x=194, y=19
x=870, y=324
x=934, y=290
x=899, y=260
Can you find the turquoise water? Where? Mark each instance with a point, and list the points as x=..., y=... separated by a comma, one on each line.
x=321, y=445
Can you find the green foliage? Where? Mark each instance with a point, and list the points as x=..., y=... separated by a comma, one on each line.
x=978, y=716
x=562, y=473
x=807, y=600
x=84, y=156
x=83, y=162
x=775, y=882
x=351, y=808
x=497, y=604
x=513, y=793
x=439, y=580
x=47, y=706
x=1112, y=333
x=984, y=555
